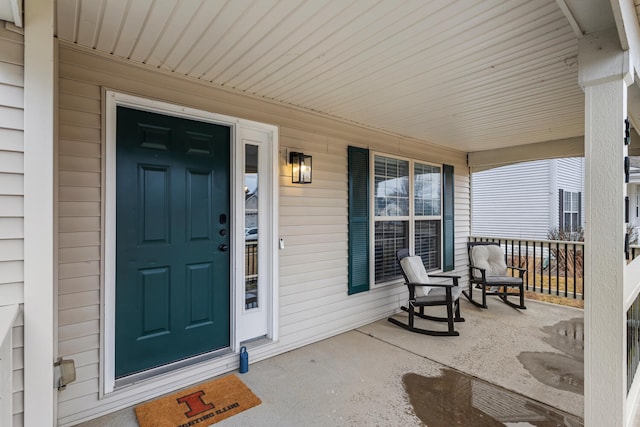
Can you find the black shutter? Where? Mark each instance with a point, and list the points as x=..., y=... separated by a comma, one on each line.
x=448, y=206
x=358, y=220
x=560, y=210
x=579, y=224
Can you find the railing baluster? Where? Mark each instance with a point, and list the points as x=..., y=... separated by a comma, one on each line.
x=549, y=273
x=512, y=256
x=535, y=262
x=566, y=264
x=526, y=265
x=520, y=256
x=575, y=267
x=558, y=256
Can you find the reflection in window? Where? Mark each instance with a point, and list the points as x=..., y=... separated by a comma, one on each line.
x=391, y=186
x=426, y=190
x=407, y=214
x=251, y=226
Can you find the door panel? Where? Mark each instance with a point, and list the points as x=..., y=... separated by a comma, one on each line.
x=172, y=266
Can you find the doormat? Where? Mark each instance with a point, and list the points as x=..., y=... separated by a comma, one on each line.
x=198, y=406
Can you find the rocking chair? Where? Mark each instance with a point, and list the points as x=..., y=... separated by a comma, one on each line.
x=423, y=293
x=489, y=272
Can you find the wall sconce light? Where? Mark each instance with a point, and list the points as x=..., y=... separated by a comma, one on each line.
x=300, y=168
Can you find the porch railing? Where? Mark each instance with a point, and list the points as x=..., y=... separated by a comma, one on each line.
x=8, y=315
x=554, y=267
x=251, y=274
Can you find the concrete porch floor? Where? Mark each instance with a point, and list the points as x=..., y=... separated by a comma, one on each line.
x=356, y=378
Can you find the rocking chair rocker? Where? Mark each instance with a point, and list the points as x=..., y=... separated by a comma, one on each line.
x=423, y=293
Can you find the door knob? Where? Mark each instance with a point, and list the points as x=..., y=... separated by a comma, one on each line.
x=223, y=248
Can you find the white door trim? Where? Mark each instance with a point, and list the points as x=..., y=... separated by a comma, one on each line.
x=257, y=322
x=112, y=101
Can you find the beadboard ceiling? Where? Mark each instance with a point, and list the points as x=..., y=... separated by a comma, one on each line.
x=467, y=74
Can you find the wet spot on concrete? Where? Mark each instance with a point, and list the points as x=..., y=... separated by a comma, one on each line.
x=562, y=371
x=567, y=336
x=456, y=399
x=555, y=370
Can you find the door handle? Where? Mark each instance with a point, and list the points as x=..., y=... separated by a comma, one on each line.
x=223, y=248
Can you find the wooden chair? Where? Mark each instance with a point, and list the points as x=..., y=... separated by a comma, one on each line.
x=488, y=271
x=423, y=293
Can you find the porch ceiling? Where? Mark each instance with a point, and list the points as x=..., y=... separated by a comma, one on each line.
x=470, y=75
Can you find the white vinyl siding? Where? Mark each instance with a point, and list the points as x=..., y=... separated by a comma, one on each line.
x=79, y=238
x=570, y=174
x=313, y=301
x=11, y=196
x=512, y=201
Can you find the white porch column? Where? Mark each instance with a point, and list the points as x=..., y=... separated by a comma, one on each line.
x=39, y=95
x=604, y=74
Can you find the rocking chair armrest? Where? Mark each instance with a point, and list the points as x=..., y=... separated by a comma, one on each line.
x=445, y=276
x=441, y=285
x=454, y=278
x=521, y=271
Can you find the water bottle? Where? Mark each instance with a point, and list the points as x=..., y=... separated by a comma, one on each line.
x=244, y=360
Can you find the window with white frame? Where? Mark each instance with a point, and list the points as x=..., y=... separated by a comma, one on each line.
x=407, y=213
x=571, y=211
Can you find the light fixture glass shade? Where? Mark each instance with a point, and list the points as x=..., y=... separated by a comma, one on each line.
x=300, y=168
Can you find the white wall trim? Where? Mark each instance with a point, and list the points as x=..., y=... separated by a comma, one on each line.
x=112, y=101
x=265, y=139
x=8, y=315
x=488, y=159
x=39, y=131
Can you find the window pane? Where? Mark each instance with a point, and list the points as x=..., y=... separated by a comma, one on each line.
x=391, y=186
x=428, y=243
x=389, y=237
x=251, y=226
x=426, y=190
x=567, y=221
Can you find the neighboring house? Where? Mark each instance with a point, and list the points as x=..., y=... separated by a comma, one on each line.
x=527, y=200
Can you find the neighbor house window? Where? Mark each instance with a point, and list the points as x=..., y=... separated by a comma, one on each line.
x=570, y=210
x=407, y=214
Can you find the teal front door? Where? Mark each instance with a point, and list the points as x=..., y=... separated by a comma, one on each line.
x=172, y=239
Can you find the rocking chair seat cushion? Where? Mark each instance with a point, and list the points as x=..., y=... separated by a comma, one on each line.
x=504, y=280
x=489, y=258
x=439, y=294
x=414, y=269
